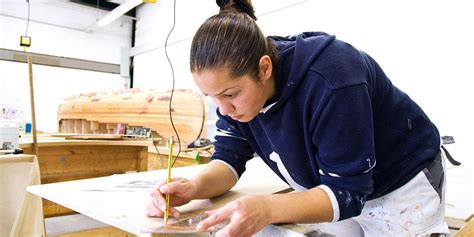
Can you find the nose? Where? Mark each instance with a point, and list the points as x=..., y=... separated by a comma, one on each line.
x=225, y=107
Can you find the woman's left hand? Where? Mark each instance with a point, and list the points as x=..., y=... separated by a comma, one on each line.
x=244, y=217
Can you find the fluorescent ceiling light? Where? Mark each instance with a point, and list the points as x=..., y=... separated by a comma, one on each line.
x=118, y=11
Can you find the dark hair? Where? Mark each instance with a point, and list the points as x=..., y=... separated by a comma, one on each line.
x=231, y=39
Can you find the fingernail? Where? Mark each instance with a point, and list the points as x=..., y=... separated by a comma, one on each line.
x=175, y=214
x=164, y=189
x=199, y=227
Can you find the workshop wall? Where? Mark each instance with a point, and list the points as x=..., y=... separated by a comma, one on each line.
x=57, y=28
x=151, y=67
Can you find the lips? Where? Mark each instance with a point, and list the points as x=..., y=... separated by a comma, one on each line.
x=238, y=117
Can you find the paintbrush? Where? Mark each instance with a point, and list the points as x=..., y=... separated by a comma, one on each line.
x=168, y=180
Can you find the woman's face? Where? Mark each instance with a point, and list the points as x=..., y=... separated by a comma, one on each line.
x=241, y=98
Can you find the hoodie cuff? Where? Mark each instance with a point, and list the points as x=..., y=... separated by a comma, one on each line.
x=229, y=166
x=335, y=204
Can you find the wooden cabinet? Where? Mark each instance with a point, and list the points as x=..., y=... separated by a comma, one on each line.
x=64, y=160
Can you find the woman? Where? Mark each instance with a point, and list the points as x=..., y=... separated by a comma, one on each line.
x=324, y=117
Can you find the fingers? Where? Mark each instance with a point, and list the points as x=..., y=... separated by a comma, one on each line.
x=237, y=218
x=158, y=199
x=157, y=205
x=176, y=186
x=156, y=190
x=156, y=208
x=214, y=218
x=153, y=209
x=163, y=188
x=174, y=212
x=231, y=229
x=220, y=218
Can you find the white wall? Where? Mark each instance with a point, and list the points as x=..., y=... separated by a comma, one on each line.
x=425, y=47
x=152, y=69
x=57, y=28
x=52, y=86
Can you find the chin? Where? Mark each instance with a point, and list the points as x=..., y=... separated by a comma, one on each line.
x=246, y=119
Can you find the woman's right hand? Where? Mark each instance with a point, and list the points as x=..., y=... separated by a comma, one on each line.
x=181, y=191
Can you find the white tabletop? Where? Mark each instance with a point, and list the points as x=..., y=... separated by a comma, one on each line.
x=120, y=200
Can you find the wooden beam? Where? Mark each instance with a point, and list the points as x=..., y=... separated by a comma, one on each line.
x=56, y=61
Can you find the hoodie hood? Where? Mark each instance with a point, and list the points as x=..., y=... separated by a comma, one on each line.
x=295, y=55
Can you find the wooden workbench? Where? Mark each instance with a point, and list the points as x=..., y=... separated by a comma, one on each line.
x=64, y=160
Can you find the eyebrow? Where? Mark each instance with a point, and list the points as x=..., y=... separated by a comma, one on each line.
x=222, y=92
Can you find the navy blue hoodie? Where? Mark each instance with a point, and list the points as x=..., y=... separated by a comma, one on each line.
x=336, y=122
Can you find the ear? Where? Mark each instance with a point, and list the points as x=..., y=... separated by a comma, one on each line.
x=265, y=67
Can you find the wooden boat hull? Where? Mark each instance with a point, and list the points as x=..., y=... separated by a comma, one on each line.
x=99, y=113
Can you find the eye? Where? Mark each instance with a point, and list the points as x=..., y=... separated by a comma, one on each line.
x=230, y=96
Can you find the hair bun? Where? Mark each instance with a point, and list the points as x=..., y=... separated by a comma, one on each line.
x=238, y=6
x=222, y=3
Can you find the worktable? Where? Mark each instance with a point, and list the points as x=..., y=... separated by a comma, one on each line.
x=21, y=213
x=120, y=200
x=64, y=160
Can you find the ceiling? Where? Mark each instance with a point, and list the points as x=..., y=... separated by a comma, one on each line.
x=71, y=14
x=104, y=5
